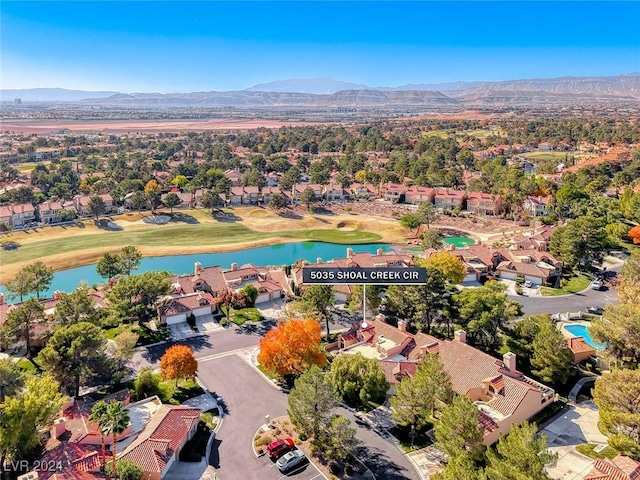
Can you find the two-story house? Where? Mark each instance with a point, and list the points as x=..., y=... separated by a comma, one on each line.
x=484, y=203
x=334, y=192
x=298, y=188
x=445, y=199
x=82, y=202
x=393, y=192
x=48, y=212
x=267, y=193
x=537, y=206
x=17, y=215
x=415, y=195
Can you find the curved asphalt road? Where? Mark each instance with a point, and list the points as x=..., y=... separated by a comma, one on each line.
x=248, y=398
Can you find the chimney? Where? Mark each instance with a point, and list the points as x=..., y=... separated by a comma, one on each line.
x=509, y=360
x=379, y=252
x=198, y=268
x=59, y=427
x=318, y=260
x=1, y=298
x=460, y=336
x=234, y=266
x=402, y=325
x=56, y=295
x=349, y=252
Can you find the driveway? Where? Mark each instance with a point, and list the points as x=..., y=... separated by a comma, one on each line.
x=180, y=331
x=579, y=424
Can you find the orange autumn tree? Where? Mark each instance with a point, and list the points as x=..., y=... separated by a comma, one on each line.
x=178, y=362
x=634, y=234
x=292, y=347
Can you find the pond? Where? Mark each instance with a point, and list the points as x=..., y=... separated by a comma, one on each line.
x=276, y=255
x=459, y=242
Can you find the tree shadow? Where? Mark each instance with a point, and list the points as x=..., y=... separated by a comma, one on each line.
x=214, y=453
x=380, y=464
x=106, y=224
x=290, y=215
x=227, y=217
x=179, y=217
x=258, y=329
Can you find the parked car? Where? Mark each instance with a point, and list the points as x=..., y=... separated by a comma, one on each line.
x=595, y=310
x=291, y=460
x=280, y=447
x=528, y=284
x=596, y=285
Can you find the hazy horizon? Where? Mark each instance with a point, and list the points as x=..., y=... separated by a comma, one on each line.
x=171, y=47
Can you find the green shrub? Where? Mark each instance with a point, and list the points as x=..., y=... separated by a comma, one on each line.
x=147, y=384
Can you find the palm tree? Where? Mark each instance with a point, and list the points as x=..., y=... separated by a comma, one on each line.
x=112, y=418
x=98, y=413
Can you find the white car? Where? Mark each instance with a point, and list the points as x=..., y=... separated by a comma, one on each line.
x=290, y=460
x=596, y=285
x=528, y=284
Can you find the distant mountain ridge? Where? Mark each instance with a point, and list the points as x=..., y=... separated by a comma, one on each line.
x=51, y=94
x=329, y=92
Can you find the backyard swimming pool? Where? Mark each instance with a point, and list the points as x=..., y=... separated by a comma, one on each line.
x=582, y=331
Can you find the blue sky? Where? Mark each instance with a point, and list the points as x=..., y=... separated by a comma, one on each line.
x=167, y=46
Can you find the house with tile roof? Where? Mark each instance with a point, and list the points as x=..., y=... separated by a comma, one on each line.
x=49, y=212
x=267, y=193
x=619, y=468
x=158, y=445
x=299, y=188
x=393, y=192
x=153, y=439
x=81, y=203
x=502, y=394
x=415, y=195
x=484, y=203
x=334, y=192
x=537, y=206
x=17, y=215
x=445, y=199
x=365, y=260
x=534, y=240
x=580, y=349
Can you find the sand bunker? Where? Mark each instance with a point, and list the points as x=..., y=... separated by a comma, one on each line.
x=157, y=219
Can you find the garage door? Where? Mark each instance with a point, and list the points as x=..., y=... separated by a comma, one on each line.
x=472, y=277
x=198, y=312
x=262, y=298
x=340, y=297
x=173, y=319
x=508, y=275
x=534, y=280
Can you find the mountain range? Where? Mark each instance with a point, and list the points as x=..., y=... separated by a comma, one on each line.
x=328, y=92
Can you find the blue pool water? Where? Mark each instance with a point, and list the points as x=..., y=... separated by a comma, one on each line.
x=276, y=255
x=583, y=331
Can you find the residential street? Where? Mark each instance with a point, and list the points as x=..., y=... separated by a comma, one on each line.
x=248, y=397
x=566, y=303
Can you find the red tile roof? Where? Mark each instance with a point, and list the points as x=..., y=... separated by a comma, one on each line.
x=162, y=437
x=619, y=468
x=579, y=345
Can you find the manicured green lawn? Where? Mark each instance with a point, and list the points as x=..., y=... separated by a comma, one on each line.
x=340, y=236
x=587, y=449
x=112, y=332
x=576, y=284
x=185, y=390
x=202, y=234
x=246, y=315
